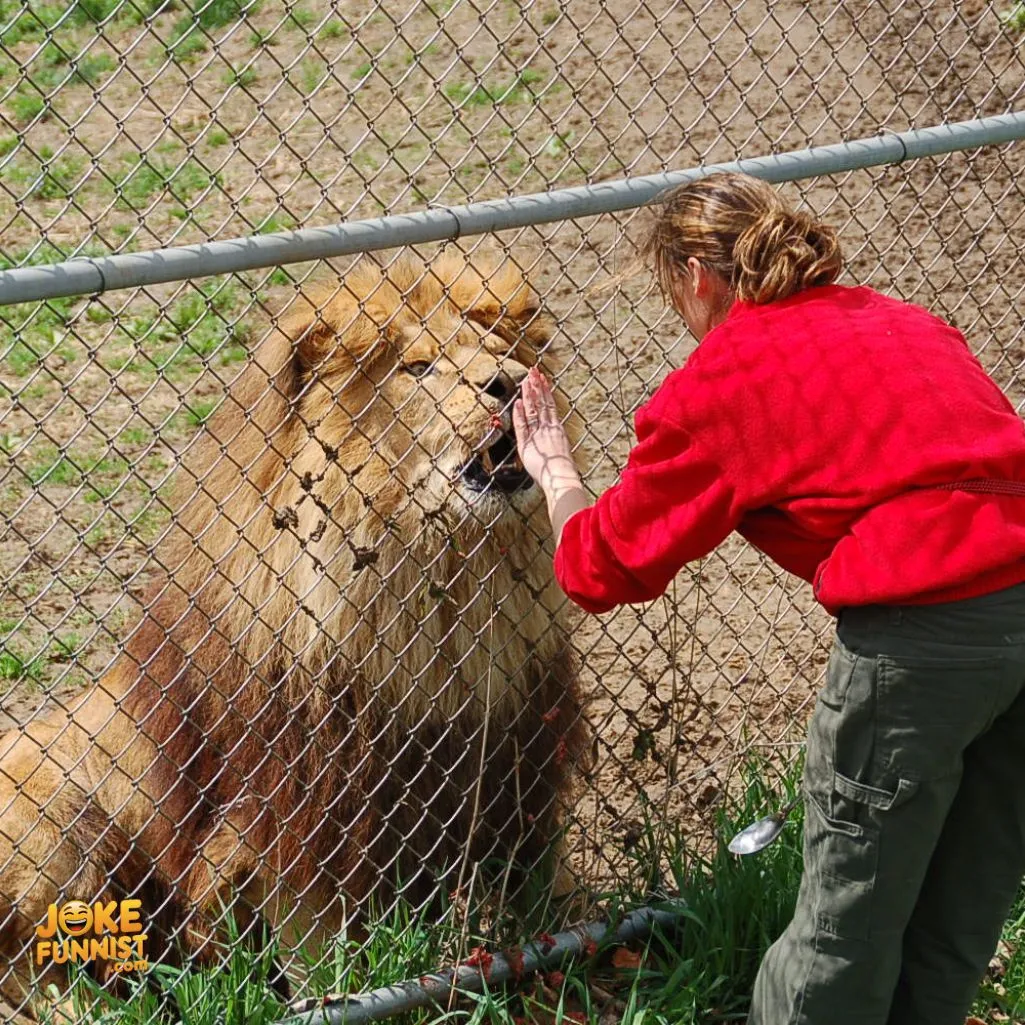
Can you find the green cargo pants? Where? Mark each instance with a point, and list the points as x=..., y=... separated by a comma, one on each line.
x=914, y=840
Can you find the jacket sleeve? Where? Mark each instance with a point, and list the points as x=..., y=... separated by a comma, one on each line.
x=672, y=504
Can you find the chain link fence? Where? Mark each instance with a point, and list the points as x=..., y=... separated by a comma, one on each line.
x=278, y=635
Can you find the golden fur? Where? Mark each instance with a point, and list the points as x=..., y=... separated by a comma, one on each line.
x=346, y=631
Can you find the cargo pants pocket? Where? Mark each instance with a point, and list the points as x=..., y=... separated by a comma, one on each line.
x=846, y=805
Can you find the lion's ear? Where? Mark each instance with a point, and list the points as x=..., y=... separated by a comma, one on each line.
x=310, y=334
x=330, y=331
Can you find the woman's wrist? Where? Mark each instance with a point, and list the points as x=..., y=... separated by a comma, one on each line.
x=564, y=501
x=559, y=473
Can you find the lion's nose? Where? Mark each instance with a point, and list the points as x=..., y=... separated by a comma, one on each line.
x=502, y=386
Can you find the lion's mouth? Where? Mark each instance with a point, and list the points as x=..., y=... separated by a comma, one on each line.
x=498, y=466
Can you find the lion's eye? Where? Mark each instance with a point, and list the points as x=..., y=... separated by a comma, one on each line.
x=420, y=368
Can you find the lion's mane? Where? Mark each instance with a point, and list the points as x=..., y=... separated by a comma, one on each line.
x=345, y=681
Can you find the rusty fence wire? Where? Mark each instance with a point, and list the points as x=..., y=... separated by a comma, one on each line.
x=280, y=647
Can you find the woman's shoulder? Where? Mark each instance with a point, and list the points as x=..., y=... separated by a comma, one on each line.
x=820, y=300
x=826, y=311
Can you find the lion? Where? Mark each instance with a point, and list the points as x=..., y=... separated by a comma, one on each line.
x=352, y=679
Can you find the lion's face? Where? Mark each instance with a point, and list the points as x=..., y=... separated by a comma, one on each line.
x=422, y=376
x=449, y=393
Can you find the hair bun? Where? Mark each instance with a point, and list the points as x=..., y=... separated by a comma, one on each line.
x=782, y=252
x=740, y=228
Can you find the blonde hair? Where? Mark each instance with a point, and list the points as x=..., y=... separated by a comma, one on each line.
x=740, y=228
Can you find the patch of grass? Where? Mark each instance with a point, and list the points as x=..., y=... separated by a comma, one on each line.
x=414, y=55
x=236, y=992
x=188, y=311
x=31, y=331
x=559, y=143
x=333, y=28
x=476, y=94
x=185, y=43
x=362, y=71
x=1014, y=17
x=100, y=536
x=135, y=12
x=51, y=68
x=530, y=76
x=188, y=37
x=20, y=175
x=17, y=667
x=313, y=72
x=55, y=179
x=66, y=648
x=218, y=137
x=21, y=358
x=736, y=907
x=1001, y=996
x=52, y=466
x=198, y=327
x=276, y=222
x=301, y=17
x=135, y=436
x=97, y=490
x=97, y=313
x=242, y=77
x=90, y=68
x=28, y=21
x=47, y=77
x=94, y=10
x=212, y=337
x=469, y=93
x=210, y=14
x=148, y=175
x=52, y=55
x=106, y=475
x=8, y=144
x=404, y=946
x=26, y=107
x=199, y=411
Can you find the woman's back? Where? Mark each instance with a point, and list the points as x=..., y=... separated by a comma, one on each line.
x=835, y=413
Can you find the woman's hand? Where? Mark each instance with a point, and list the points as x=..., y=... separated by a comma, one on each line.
x=545, y=450
x=541, y=439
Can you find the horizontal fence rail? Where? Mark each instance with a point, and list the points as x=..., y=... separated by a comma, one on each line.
x=94, y=275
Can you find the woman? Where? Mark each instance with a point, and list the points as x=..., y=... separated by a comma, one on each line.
x=856, y=441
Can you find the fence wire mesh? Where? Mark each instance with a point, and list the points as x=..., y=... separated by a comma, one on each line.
x=278, y=634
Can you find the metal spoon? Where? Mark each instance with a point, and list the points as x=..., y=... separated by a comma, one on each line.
x=760, y=834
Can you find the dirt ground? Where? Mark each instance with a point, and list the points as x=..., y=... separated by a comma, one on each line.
x=310, y=114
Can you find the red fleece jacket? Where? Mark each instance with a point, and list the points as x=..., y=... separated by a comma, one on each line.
x=819, y=428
